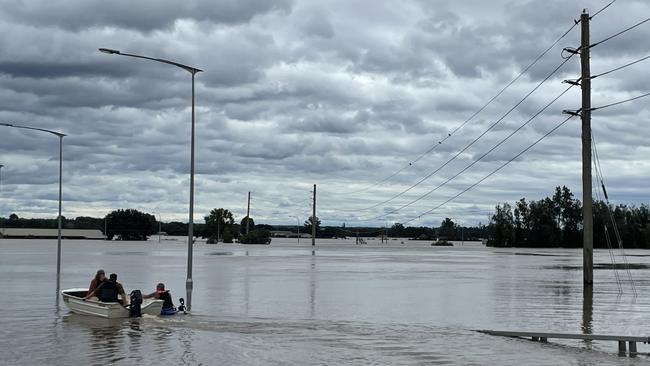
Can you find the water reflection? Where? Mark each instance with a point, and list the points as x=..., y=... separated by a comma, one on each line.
x=247, y=290
x=102, y=338
x=188, y=357
x=312, y=286
x=58, y=302
x=587, y=312
x=134, y=337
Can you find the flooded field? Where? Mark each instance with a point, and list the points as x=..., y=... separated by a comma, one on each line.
x=337, y=303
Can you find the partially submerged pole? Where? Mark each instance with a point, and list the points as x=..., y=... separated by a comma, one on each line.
x=313, y=220
x=248, y=212
x=587, y=208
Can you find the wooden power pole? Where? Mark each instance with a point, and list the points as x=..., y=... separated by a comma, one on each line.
x=248, y=212
x=313, y=220
x=587, y=208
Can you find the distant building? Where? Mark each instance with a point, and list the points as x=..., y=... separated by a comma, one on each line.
x=29, y=233
x=288, y=234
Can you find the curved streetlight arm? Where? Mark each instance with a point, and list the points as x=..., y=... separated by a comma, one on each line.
x=190, y=69
x=58, y=245
x=34, y=128
x=189, y=283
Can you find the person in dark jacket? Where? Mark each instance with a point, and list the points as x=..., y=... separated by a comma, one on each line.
x=108, y=291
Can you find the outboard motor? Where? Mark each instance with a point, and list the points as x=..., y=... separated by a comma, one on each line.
x=135, y=309
x=181, y=307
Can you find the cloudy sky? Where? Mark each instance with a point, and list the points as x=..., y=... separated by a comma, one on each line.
x=342, y=94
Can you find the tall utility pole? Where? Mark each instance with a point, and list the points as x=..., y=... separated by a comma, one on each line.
x=313, y=220
x=587, y=214
x=248, y=212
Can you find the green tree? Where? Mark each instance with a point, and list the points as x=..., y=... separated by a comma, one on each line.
x=551, y=221
x=227, y=235
x=571, y=211
x=397, y=230
x=257, y=236
x=86, y=222
x=175, y=228
x=501, y=227
x=217, y=222
x=522, y=222
x=447, y=229
x=130, y=224
x=308, y=225
x=242, y=224
x=544, y=231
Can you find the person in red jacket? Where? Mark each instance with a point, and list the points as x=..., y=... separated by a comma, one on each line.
x=100, y=277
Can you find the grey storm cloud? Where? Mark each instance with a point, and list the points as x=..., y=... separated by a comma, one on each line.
x=338, y=93
x=146, y=15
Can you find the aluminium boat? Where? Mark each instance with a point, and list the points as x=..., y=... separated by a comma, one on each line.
x=74, y=299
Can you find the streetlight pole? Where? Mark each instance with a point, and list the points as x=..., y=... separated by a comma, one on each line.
x=190, y=230
x=58, y=242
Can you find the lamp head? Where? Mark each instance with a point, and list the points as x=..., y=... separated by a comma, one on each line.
x=109, y=51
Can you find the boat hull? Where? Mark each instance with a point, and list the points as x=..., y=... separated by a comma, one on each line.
x=73, y=298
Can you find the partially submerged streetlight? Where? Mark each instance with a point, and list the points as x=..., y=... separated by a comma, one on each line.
x=190, y=234
x=58, y=244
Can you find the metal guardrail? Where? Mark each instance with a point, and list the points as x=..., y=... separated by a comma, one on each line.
x=543, y=337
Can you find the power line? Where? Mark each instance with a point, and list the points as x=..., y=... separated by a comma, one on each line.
x=473, y=141
x=434, y=146
x=619, y=33
x=480, y=157
x=596, y=189
x=620, y=67
x=599, y=175
x=601, y=9
x=620, y=102
x=492, y=172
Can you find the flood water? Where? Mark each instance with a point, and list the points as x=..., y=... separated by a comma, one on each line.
x=337, y=303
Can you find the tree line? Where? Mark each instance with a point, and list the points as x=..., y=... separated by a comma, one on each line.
x=220, y=226
x=549, y=222
x=557, y=221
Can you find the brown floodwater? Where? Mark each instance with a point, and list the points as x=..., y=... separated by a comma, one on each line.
x=337, y=303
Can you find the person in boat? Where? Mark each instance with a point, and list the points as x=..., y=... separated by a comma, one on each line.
x=163, y=295
x=100, y=277
x=120, y=289
x=108, y=291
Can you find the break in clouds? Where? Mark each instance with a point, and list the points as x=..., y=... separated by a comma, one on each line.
x=341, y=94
